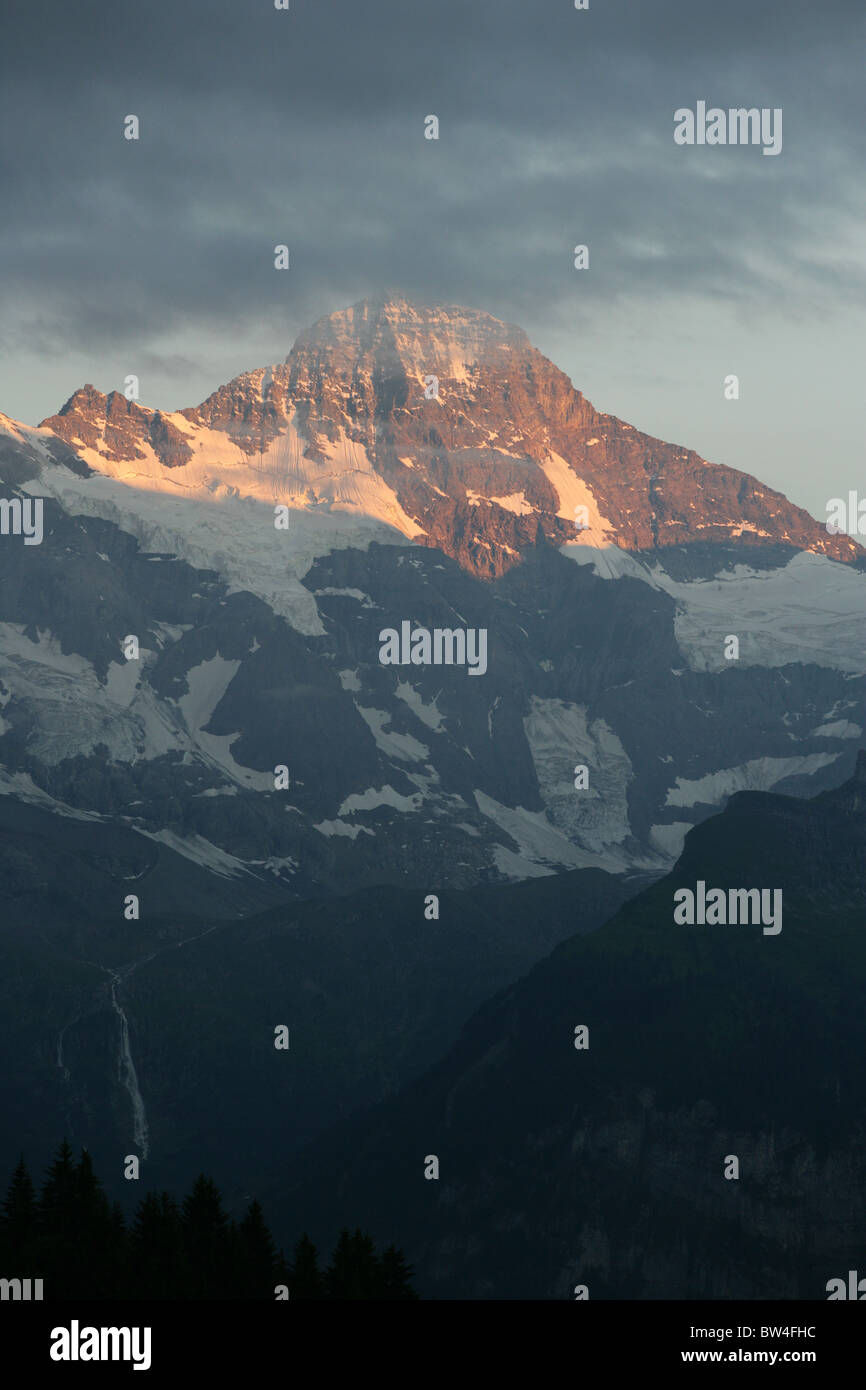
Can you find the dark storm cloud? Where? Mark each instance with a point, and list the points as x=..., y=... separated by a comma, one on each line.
x=306, y=127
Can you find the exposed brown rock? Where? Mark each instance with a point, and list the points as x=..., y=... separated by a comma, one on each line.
x=116, y=427
x=252, y=410
x=502, y=408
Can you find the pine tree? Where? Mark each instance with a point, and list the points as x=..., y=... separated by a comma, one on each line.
x=207, y=1242
x=119, y=1268
x=156, y=1263
x=18, y=1230
x=256, y=1269
x=96, y=1232
x=58, y=1244
x=396, y=1275
x=354, y=1269
x=305, y=1279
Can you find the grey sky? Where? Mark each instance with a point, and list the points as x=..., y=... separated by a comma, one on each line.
x=556, y=127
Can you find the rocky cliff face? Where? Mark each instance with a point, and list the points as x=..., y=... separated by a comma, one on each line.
x=485, y=444
x=117, y=428
x=489, y=465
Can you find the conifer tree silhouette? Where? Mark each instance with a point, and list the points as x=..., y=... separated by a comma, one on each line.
x=207, y=1241
x=305, y=1278
x=18, y=1235
x=155, y=1257
x=60, y=1254
x=73, y=1239
x=120, y=1252
x=396, y=1275
x=354, y=1270
x=256, y=1268
x=100, y=1242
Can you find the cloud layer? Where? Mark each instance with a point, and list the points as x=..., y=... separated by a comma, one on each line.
x=306, y=127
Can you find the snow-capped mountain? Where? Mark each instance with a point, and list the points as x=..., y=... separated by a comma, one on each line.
x=446, y=425
x=434, y=469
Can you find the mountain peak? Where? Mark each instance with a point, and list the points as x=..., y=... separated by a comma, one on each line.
x=85, y=399
x=445, y=422
x=394, y=328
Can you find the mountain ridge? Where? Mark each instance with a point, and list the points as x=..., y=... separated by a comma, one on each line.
x=505, y=454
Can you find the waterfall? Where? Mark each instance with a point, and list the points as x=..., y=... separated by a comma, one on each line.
x=126, y=1072
x=128, y=1077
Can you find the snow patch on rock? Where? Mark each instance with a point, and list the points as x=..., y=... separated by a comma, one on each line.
x=670, y=837
x=373, y=798
x=427, y=713
x=207, y=684
x=757, y=775
x=541, y=846
x=560, y=738
x=393, y=744
x=200, y=851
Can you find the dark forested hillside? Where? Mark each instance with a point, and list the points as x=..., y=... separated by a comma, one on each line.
x=605, y=1158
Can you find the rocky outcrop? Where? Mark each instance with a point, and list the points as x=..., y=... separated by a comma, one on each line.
x=252, y=410
x=116, y=428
